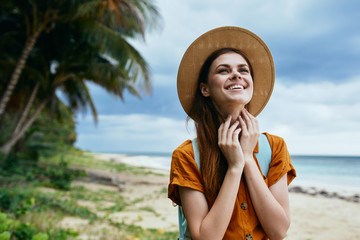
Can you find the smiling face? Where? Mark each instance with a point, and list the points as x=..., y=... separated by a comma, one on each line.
x=229, y=81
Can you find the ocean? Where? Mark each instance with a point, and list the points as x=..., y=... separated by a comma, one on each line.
x=332, y=173
x=340, y=173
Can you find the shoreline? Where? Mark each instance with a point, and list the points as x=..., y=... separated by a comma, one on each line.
x=298, y=186
x=315, y=214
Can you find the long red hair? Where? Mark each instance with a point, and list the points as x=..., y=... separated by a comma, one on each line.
x=213, y=164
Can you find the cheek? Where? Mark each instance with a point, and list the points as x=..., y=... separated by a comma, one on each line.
x=215, y=84
x=251, y=92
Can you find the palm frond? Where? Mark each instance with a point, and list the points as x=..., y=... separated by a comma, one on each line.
x=89, y=101
x=130, y=18
x=78, y=96
x=114, y=45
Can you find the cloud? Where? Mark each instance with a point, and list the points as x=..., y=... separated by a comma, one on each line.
x=163, y=101
x=320, y=37
x=132, y=133
x=316, y=118
x=315, y=45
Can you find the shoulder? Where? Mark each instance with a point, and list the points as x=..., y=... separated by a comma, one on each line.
x=183, y=155
x=184, y=150
x=183, y=160
x=184, y=171
x=274, y=138
x=277, y=143
x=280, y=160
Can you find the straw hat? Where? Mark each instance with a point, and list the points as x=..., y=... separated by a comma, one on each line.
x=248, y=43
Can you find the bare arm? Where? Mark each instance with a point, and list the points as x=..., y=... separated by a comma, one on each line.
x=271, y=204
x=212, y=224
x=205, y=224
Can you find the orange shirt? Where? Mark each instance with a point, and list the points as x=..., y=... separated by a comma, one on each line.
x=244, y=223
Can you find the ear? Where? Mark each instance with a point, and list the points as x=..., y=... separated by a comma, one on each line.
x=204, y=90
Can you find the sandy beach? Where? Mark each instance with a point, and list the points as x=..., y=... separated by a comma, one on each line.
x=315, y=213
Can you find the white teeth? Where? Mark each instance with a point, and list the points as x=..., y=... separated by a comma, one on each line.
x=235, y=87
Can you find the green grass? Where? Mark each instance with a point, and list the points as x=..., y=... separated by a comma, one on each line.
x=150, y=209
x=133, y=231
x=30, y=199
x=79, y=159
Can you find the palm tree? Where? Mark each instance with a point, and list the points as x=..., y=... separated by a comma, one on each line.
x=36, y=22
x=105, y=22
x=88, y=44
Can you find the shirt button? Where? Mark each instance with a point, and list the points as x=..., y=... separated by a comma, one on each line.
x=243, y=206
x=249, y=237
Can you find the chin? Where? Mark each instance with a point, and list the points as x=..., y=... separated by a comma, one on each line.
x=241, y=101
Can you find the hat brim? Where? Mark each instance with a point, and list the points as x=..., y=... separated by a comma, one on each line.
x=252, y=46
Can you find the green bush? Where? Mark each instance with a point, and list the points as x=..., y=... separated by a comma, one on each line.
x=24, y=231
x=62, y=234
x=5, y=235
x=40, y=236
x=14, y=169
x=60, y=176
x=12, y=229
x=18, y=201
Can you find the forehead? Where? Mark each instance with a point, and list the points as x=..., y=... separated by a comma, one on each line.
x=229, y=58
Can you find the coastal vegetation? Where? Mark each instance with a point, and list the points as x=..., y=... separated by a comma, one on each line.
x=51, y=50
x=43, y=201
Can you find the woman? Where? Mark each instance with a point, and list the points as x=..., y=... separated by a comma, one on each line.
x=225, y=79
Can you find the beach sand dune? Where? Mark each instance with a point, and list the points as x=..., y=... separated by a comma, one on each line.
x=318, y=217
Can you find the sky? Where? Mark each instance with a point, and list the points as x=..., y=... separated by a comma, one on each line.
x=315, y=105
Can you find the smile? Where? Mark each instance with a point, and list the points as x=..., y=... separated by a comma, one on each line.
x=237, y=86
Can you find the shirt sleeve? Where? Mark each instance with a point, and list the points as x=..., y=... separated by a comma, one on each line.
x=184, y=172
x=280, y=161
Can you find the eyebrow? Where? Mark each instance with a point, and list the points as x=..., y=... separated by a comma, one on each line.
x=227, y=65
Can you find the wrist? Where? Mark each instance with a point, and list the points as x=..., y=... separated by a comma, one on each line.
x=236, y=168
x=248, y=157
x=249, y=160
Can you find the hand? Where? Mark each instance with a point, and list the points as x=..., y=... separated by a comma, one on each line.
x=229, y=144
x=250, y=132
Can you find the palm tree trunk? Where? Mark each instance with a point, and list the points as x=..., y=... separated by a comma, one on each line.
x=5, y=149
x=18, y=69
x=26, y=110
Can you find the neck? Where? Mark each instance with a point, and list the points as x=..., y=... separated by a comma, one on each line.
x=232, y=110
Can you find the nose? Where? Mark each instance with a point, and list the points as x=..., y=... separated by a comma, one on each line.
x=235, y=75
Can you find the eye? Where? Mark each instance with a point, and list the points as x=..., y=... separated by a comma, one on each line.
x=244, y=70
x=223, y=70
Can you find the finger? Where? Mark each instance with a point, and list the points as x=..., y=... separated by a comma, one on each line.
x=235, y=135
x=253, y=120
x=227, y=122
x=243, y=125
x=226, y=127
x=220, y=130
x=247, y=119
x=231, y=131
x=256, y=124
x=248, y=114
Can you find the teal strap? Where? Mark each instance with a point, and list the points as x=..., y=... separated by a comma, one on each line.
x=182, y=223
x=182, y=220
x=195, y=145
x=264, y=154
